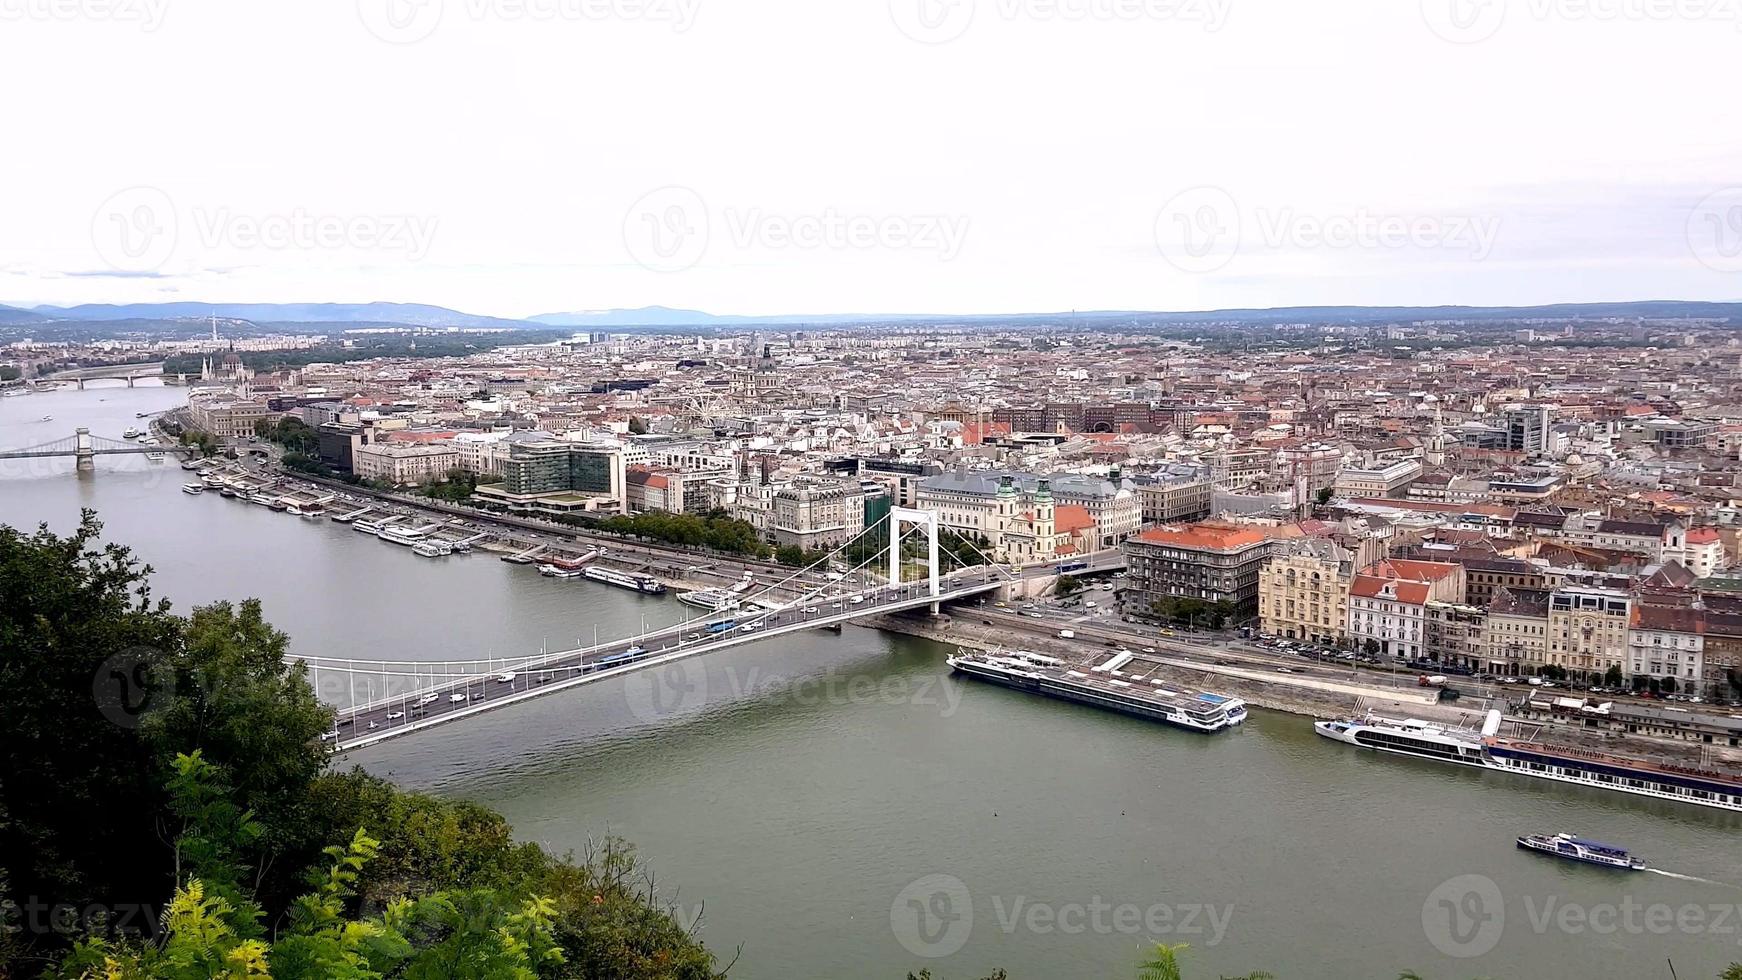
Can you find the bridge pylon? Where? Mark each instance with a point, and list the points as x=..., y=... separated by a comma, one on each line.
x=84, y=451
x=901, y=518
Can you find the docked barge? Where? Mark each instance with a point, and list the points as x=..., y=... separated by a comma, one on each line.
x=1104, y=686
x=644, y=584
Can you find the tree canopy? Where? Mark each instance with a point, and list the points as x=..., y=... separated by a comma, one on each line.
x=167, y=811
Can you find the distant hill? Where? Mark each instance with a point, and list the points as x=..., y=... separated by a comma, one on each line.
x=318, y=316
x=409, y=314
x=664, y=316
x=12, y=314
x=660, y=316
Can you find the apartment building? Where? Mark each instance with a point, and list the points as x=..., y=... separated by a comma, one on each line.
x=1303, y=593
x=1667, y=643
x=814, y=514
x=403, y=464
x=1515, y=635
x=1388, y=604
x=1208, y=562
x=1173, y=499
x=1588, y=629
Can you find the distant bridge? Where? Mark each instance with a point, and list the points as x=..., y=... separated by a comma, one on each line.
x=83, y=447
x=115, y=372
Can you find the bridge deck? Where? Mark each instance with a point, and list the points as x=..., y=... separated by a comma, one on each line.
x=369, y=725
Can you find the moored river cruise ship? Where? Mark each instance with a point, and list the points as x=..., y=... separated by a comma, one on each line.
x=1485, y=750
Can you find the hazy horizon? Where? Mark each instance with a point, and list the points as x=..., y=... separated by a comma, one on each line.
x=953, y=157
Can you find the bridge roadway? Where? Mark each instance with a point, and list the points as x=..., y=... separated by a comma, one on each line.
x=535, y=677
x=40, y=453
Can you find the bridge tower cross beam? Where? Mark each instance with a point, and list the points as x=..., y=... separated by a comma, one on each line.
x=901, y=518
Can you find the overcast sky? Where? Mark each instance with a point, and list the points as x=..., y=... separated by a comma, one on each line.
x=514, y=157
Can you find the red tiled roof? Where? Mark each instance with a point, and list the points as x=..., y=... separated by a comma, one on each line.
x=1370, y=587
x=1068, y=518
x=1202, y=537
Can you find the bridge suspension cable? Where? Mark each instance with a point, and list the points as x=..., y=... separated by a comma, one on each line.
x=455, y=669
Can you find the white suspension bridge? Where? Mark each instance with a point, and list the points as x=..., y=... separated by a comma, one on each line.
x=400, y=698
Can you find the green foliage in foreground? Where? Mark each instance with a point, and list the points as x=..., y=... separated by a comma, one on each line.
x=172, y=764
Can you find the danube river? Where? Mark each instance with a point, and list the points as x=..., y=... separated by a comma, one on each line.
x=837, y=806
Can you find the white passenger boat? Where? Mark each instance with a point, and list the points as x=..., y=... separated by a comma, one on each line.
x=1570, y=848
x=713, y=600
x=1409, y=736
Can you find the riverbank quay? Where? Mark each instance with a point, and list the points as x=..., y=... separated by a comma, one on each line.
x=1286, y=693
x=670, y=555
x=1296, y=693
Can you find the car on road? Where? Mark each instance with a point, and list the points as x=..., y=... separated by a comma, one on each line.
x=507, y=678
x=1285, y=670
x=456, y=699
x=395, y=715
x=1148, y=649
